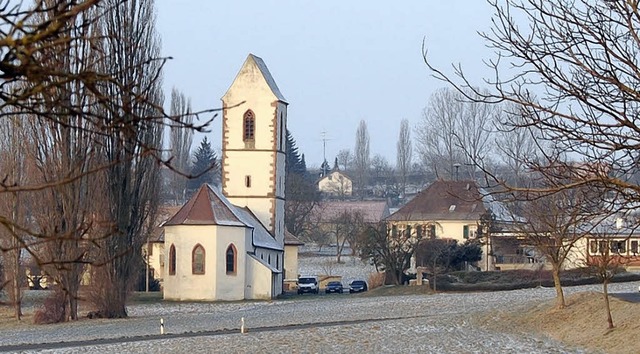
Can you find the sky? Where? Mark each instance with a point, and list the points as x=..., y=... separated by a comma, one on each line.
x=336, y=62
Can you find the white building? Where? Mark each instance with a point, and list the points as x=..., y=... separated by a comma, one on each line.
x=230, y=245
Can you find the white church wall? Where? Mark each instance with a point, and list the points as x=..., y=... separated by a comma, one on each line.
x=185, y=285
x=231, y=286
x=259, y=280
x=290, y=262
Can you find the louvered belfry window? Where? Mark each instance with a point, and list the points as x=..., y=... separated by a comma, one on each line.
x=249, y=126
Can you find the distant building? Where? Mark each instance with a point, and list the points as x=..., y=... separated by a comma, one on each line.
x=336, y=184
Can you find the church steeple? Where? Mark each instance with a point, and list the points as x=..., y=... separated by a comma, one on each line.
x=253, y=144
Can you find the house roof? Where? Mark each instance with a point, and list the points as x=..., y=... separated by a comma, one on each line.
x=443, y=200
x=252, y=65
x=291, y=240
x=371, y=210
x=207, y=207
x=261, y=236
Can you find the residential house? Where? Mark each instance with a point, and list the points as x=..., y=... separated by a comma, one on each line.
x=446, y=209
x=336, y=184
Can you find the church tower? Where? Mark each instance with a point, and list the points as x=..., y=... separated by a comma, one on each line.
x=254, y=127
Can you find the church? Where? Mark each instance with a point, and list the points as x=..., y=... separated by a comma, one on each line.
x=230, y=245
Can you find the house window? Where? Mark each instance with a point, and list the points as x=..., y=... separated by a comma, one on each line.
x=231, y=258
x=634, y=247
x=150, y=249
x=407, y=232
x=602, y=247
x=593, y=247
x=249, y=126
x=172, y=260
x=465, y=232
x=197, y=260
x=394, y=230
x=617, y=246
x=432, y=231
x=419, y=231
x=277, y=261
x=247, y=181
x=269, y=260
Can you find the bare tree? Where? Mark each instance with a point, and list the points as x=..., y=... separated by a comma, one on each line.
x=572, y=68
x=404, y=154
x=12, y=238
x=436, y=133
x=389, y=252
x=181, y=141
x=345, y=159
x=518, y=146
x=345, y=228
x=132, y=178
x=554, y=224
x=362, y=157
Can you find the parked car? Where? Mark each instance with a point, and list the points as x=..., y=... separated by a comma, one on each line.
x=358, y=286
x=308, y=284
x=334, y=287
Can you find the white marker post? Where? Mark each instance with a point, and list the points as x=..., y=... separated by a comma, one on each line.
x=242, y=328
x=161, y=326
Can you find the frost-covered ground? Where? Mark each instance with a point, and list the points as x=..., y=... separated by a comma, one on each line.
x=417, y=323
x=337, y=323
x=350, y=268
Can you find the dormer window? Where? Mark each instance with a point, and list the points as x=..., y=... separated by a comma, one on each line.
x=249, y=125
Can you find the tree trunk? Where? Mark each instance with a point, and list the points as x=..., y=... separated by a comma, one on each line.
x=558, y=286
x=605, y=289
x=17, y=296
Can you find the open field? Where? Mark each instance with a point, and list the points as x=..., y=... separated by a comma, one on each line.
x=438, y=323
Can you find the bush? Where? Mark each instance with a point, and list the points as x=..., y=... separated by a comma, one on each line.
x=52, y=310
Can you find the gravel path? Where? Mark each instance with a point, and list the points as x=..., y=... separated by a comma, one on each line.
x=434, y=323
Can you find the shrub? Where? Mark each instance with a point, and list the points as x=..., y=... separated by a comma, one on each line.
x=52, y=310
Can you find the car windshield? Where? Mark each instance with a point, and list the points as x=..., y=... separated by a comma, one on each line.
x=306, y=280
x=333, y=283
x=357, y=283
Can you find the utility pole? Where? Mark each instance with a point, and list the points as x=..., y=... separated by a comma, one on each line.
x=324, y=152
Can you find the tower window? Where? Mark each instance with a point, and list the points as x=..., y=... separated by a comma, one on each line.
x=247, y=181
x=249, y=126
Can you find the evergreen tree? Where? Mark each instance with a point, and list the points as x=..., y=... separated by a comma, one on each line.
x=205, y=164
x=335, y=165
x=295, y=164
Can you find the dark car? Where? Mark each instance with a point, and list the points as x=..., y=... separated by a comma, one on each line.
x=334, y=287
x=357, y=286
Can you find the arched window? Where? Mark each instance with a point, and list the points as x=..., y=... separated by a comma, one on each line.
x=172, y=260
x=249, y=124
x=231, y=258
x=197, y=260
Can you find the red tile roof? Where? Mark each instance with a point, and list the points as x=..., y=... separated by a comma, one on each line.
x=206, y=207
x=443, y=200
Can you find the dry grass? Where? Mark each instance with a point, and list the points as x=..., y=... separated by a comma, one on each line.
x=583, y=323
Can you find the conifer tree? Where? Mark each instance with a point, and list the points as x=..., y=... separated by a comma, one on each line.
x=205, y=164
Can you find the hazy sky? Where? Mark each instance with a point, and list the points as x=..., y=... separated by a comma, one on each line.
x=336, y=62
